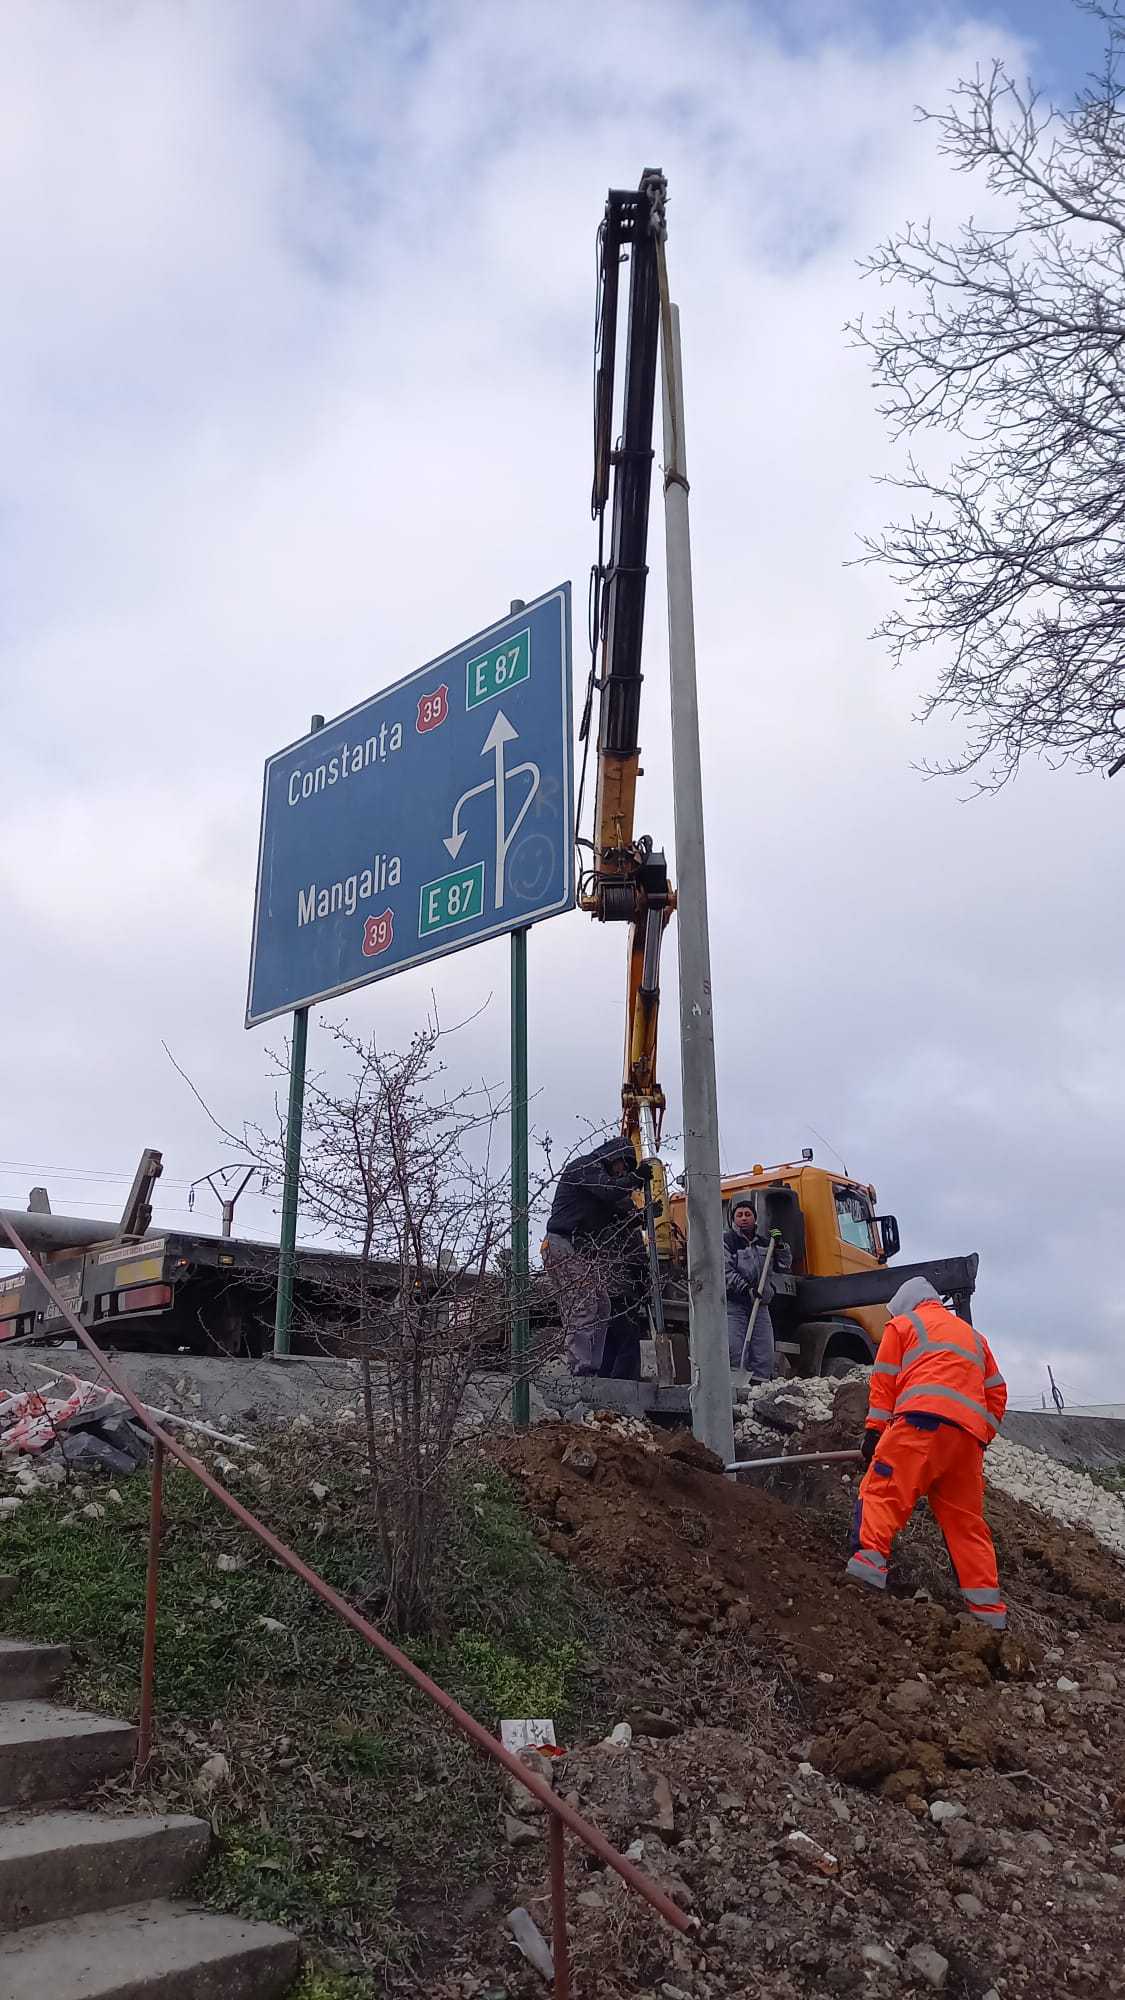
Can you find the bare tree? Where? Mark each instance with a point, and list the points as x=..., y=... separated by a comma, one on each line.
x=398, y=1171
x=1012, y=338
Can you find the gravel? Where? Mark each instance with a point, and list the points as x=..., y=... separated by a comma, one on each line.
x=1067, y=1495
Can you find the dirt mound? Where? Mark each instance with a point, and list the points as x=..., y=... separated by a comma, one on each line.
x=717, y=1554
x=968, y=1791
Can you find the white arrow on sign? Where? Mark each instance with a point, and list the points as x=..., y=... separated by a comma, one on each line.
x=501, y=733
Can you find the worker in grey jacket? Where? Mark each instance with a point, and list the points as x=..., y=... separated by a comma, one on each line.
x=744, y=1256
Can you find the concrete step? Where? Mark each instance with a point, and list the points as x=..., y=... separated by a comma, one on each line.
x=149, y=1951
x=51, y=1753
x=67, y=1864
x=28, y=1670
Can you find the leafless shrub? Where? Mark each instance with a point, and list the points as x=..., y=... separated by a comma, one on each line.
x=406, y=1175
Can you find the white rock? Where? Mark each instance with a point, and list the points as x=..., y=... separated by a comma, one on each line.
x=881, y=1955
x=1068, y=1495
x=1066, y=1687
x=272, y=1625
x=945, y=1809
x=929, y=1965
x=9, y=1504
x=93, y=1512
x=1118, y=1852
x=228, y=1564
x=115, y=1496
x=318, y=1491
x=622, y=1735
x=213, y=1775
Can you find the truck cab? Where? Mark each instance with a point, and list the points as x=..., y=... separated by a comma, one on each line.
x=831, y=1226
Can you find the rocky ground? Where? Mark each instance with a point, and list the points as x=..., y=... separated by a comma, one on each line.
x=849, y=1794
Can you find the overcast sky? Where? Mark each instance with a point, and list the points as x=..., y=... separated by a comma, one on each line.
x=296, y=360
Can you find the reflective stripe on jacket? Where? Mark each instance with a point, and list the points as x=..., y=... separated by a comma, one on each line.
x=932, y=1363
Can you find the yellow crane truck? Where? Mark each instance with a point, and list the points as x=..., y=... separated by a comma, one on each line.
x=828, y=1313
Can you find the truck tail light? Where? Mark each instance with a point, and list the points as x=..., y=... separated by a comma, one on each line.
x=144, y=1298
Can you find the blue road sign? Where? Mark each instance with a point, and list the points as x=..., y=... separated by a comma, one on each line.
x=436, y=814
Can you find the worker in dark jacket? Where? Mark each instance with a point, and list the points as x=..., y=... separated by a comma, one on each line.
x=591, y=1231
x=744, y=1258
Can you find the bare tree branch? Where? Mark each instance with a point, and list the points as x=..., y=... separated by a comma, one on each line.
x=1012, y=339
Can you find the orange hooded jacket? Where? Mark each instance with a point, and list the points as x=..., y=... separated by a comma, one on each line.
x=930, y=1363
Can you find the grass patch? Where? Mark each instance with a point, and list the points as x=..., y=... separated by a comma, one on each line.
x=1112, y=1479
x=348, y=1796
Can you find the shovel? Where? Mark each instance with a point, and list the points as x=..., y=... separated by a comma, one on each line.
x=763, y=1281
x=793, y=1458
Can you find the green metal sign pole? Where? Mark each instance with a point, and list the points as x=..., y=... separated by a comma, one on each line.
x=521, y=1396
x=287, y=1252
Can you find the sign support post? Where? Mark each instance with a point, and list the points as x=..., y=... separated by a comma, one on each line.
x=521, y=1392
x=287, y=1251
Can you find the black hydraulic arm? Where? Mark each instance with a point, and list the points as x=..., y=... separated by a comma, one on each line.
x=632, y=219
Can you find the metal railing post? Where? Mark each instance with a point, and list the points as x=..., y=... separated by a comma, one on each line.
x=148, y=1655
x=560, y=1941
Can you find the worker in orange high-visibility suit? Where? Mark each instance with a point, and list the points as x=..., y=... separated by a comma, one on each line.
x=936, y=1402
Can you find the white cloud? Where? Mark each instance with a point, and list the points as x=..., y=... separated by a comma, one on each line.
x=298, y=394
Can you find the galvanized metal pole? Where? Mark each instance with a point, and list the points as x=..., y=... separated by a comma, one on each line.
x=712, y=1413
x=521, y=1393
x=287, y=1250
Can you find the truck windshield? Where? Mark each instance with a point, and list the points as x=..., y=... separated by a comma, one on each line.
x=854, y=1219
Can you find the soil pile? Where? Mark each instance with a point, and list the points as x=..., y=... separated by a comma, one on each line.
x=961, y=1796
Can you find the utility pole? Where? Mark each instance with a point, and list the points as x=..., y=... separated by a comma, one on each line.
x=226, y=1201
x=712, y=1413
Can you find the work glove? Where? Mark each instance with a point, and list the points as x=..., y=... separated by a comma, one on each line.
x=867, y=1449
x=776, y=1235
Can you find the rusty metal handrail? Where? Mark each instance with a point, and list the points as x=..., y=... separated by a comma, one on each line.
x=560, y=1814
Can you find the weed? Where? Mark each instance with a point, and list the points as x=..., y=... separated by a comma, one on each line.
x=317, y=1984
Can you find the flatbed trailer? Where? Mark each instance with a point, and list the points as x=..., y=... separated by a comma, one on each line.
x=175, y=1290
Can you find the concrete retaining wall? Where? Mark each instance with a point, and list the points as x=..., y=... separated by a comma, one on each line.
x=245, y=1395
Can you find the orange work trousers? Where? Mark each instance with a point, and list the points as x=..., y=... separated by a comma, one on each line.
x=946, y=1467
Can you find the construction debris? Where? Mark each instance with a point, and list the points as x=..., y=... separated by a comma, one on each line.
x=88, y=1423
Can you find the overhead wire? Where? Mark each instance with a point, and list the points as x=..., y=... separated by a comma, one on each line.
x=81, y=1173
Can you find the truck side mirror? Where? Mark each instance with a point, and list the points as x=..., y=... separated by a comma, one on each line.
x=887, y=1225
